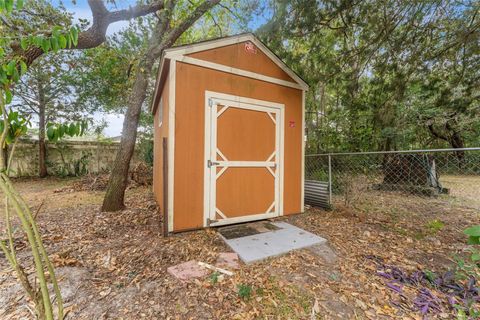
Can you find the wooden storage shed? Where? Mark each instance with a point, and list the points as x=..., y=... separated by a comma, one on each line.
x=232, y=114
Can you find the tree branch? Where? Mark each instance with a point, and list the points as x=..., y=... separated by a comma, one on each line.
x=190, y=20
x=435, y=133
x=176, y=32
x=96, y=34
x=134, y=12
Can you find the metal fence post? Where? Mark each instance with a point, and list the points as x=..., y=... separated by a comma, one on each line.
x=330, y=180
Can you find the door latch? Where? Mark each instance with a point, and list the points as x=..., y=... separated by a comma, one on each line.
x=211, y=163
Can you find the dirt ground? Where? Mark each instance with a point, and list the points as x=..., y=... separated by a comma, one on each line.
x=113, y=265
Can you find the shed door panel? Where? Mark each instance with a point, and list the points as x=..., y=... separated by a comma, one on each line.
x=244, y=161
x=238, y=133
x=245, y=191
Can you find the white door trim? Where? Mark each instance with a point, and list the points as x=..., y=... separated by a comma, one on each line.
x=210, y=175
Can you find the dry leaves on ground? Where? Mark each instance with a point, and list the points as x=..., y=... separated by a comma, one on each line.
x=114, y=265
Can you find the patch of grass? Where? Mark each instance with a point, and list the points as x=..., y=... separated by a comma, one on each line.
x=290, y=300
x=244, y=291
x=214, y=277
x=434, y=226
x=287, y=301
x=419, y=235
x=430, y=275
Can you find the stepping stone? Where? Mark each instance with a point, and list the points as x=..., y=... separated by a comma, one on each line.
x=324, y=252
x=187, y=271
x=228, y=260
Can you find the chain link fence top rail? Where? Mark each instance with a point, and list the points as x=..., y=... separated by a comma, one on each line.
x=416, y=173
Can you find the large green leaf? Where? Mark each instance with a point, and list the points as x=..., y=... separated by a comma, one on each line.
x=61, y=129
x=8, y=5
x=74, y=35
x=8, y=96
x=62, y=41
x=24, y=43
x=46, y=45
x=71, y=129
x=54, y=44
x=11, y=67
x=473, y=240
x=473, y=231
x=23, y=67
x=50, y=133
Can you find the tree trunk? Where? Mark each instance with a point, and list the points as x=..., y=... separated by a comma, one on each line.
x=114, y=197
x=4, y=157
x=42, y=151
x=115, y=194
x=456, y=141
x=452, y=136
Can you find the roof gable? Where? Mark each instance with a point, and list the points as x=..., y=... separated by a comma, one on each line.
x=201, y=49
x=220, y=52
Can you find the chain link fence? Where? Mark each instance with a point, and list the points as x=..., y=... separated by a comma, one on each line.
x=360, y=179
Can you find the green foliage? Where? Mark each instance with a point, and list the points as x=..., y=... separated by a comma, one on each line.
x=145, y=146
x=244, y=291
x=56, y=132
x=17, y=127
x=70, y=165
x=32, y=34
x=383, y=75
x=56, y=102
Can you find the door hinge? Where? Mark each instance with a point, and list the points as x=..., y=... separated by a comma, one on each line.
x=211, y=163
x=210, y=102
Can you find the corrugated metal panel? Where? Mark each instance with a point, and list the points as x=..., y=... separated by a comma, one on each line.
x=317, y=194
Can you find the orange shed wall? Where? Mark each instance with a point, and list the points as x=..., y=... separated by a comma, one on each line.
x=191, y=83
x=236, y=56
x=159, y=134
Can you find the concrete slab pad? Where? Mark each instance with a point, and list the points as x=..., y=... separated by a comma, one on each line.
x=280, y=240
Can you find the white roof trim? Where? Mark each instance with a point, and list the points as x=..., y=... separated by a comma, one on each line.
x=207, y=45
x=239, y=72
